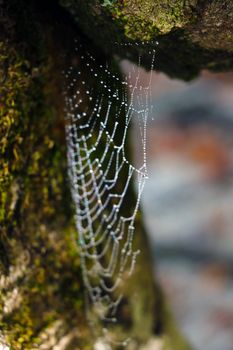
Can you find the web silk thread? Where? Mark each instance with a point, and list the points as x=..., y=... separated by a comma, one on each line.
x=97, y=160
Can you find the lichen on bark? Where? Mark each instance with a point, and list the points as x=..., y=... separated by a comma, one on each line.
x=193, y=35
x=40, y=281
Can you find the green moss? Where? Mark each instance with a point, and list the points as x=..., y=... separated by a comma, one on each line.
x=193, y=35
x=142, y=20
x=36, y=237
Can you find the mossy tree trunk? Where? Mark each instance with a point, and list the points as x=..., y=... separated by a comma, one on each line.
x=192, y=34
x=41, y=292
x=41, y=288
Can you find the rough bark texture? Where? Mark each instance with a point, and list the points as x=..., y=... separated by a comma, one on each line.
x=192, y=34
x=40, y=281
x=41, y=291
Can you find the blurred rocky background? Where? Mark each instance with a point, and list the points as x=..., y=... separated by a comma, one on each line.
x=188, y=203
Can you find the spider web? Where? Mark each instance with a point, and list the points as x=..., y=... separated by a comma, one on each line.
x=100, y=105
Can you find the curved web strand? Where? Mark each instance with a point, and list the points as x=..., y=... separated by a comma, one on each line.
x=100, y=105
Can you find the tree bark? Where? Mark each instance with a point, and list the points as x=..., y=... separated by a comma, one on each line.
x=193, y=35
x=41, y=288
